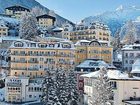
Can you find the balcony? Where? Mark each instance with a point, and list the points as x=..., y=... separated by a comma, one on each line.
x=33, y=61
x=11, y=84
x=18, y=68
x=18, y=54
x=33, y=69
x=19, y=61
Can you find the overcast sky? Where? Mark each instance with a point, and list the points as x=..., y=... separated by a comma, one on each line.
x=76, y=10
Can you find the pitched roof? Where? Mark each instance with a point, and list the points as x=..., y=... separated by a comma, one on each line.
x=17, y=6
x=46, y=16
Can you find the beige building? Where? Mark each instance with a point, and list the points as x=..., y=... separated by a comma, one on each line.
x=93, y=50
x=95, y=30
x=3, y=29
x=46, y=20
x=16, y=11
x=33, y=59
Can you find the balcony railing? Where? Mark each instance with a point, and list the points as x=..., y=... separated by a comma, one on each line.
x=18, y=68
x=33, y=61
x=19, y=61
x=33, y=68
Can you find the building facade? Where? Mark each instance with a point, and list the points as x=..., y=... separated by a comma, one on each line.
x=21, y=89
x=93, y=50
x=3, y=29
x=95, y=30
x=46, y=21
x=129, y=54
x=126, y=90
x=33, y=59
x=16, y=11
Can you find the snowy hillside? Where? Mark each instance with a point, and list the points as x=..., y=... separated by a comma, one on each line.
x=117, y=18
x=29, y=4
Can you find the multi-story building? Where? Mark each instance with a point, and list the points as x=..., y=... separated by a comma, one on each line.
x=3, y=29
x=126, y=89
x=22, y=89
x=95, y=30
x=33, y=59
x=129, y=55
x=87, y=66
x=93, y=50
x=16, y=11
x=46, y=20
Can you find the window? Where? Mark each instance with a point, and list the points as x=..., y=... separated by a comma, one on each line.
x=126, y=61
x=126, y=54
x=131, y=54
x=30, y=96
x=131, y=61
x=22, y=73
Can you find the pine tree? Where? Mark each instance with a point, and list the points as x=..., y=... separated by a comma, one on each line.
x=60, y=88
x=103, y=89
x=72, y=88
x=28, y=27
x=49, y=87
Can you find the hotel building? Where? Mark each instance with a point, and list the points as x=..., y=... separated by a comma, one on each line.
x=95, y=30
x=33, y=59
x=16, y=11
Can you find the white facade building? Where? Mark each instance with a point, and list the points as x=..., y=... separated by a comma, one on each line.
x=126, y=90
x=129, y=55
x=22, y=89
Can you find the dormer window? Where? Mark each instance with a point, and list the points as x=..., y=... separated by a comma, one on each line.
x=18, y=44
x=66, y=45
x=51, y=45
x=42, y=45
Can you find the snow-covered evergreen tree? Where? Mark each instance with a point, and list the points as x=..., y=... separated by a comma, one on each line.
x=60, y=88
x=28, y=27
x=116, y=42
x=72, y=88
x=130, y=34
x=103, y=89
x=49, y=87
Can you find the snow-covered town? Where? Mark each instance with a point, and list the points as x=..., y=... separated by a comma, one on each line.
x=46, y=59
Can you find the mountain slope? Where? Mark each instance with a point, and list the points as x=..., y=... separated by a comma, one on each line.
x=116, y=19
x=29, y=4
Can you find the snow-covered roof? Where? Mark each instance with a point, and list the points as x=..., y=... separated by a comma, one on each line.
x=58, y=29
x=10, y=38
x=131, y=47
x=133, y=102
x=82, y=41
x=89, y=63
x=2, y=24
x=136, y=66
x=9, y=19
x=112, y=74
x=20, y=43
